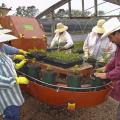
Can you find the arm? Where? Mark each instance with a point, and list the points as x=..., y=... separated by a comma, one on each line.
x=6, y=82
x=114, y=74
x=10, y=50
x=86, y=47
x=69, y=41
x=111, y=65
x=13, y=50
x=54, y=40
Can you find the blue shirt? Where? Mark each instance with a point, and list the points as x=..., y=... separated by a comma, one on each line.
x=9, y=50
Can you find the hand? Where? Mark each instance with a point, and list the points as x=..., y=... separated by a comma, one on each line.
x=61, y=48
x=21, y=64
x=100, y=70
x=19, y=57
x=23, y=52
x=22, y=80
x=100, y=75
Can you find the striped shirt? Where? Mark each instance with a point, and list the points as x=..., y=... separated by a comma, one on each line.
x=10, y=93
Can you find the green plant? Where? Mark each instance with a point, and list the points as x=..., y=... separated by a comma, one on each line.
x=62, y=56
x=78, y=46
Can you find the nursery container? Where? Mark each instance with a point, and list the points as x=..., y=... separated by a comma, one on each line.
x=49, y=76
x=73, y=80
x=34, y=70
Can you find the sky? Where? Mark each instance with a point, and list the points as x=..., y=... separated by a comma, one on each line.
x=75, y=4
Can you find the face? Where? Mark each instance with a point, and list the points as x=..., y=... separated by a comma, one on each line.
x=1, y=44
x=115, y=38
x=61, y=33
x=99, y=34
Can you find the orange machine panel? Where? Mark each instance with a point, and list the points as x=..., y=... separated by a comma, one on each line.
x=30, y=34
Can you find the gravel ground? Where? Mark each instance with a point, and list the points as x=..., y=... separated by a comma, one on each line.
x=34, y=110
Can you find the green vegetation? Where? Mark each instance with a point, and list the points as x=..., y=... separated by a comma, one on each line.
x=62, y=56
x=78, y=46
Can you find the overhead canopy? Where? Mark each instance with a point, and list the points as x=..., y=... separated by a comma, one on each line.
x=117, y=2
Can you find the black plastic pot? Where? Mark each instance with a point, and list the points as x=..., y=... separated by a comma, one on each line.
x=37, y=55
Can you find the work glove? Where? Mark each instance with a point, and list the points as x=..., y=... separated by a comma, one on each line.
x=22, y=80
x=23, y=52
x=20, y=64
x=19, y=57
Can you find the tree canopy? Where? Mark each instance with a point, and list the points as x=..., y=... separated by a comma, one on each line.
x=30, y=11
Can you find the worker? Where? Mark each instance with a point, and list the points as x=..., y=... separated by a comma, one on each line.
x=95, y=46
x=10, y=94
x=112, y=69
x=62, y=38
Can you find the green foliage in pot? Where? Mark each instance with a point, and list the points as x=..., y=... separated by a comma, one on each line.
x=41, y=51
x=64, y=57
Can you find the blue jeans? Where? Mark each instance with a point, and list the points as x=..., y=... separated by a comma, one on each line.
x=12, y=113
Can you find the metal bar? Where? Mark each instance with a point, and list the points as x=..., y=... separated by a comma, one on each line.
x=52, y=8
x=82, y=7
x=96, y=10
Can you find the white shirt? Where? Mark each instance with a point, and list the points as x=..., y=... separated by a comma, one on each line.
x=95, y=46
x=63, y=38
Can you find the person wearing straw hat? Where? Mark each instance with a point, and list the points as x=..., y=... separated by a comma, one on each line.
x=62, y=38
x=96, y=47
x=10, y=94
x=112, y=69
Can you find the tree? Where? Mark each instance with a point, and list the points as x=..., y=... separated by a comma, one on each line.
x=30, y=11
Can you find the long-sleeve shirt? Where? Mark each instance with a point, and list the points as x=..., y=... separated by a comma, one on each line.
x=63, y=38
x=113, y=73
x=10, y=93
x=9, y=50
x=95, y=46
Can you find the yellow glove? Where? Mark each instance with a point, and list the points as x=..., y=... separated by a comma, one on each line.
x=22, y=80
x=22, y=52
x=19, y=57
x=20, y=64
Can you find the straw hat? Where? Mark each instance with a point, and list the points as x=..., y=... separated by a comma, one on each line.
x=60, y=27
x=98, y=28
x=6, y=37
x=111, y=26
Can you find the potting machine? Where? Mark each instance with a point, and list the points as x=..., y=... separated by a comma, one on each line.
x=30, y=35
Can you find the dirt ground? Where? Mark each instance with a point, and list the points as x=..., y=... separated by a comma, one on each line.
x=34, y=110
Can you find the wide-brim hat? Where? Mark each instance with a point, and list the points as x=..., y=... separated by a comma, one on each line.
x=111, y=26
x=60, y=27
x=3, y=31
x=98, y=28
x=7, y=37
